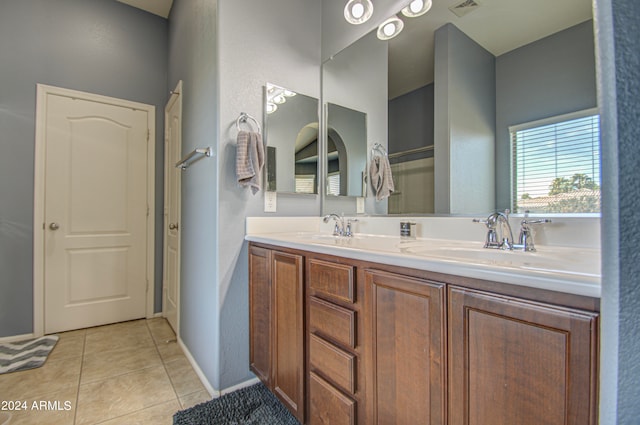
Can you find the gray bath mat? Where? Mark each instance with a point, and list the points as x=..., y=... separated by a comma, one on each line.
x=253, y=405
x=23, y=355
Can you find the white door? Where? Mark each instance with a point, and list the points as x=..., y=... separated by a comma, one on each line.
x=172, y=149
x=95, y=213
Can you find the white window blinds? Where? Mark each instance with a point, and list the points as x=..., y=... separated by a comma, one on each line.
x=305, y=183
x=556, y=165
x=333, y=180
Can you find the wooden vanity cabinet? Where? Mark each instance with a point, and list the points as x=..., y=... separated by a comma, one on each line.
x=276, y=291
x=343, y=341
x=408, y=349
x=513, y=361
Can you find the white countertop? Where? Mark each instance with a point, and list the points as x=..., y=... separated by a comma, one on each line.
x=570, y=270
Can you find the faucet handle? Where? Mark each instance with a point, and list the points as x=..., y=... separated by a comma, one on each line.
x=525, y=239
x=491, y=224
x=347, y=230
x=539, y=221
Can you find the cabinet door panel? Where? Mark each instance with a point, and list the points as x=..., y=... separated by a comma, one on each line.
x=288, y=348
x=514, y=362
x=408, y=349
x=260, y=313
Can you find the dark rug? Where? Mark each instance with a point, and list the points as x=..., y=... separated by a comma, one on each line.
x=254, y=405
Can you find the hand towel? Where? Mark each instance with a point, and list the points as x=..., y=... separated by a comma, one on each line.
x=249, y=159
x=380, y=177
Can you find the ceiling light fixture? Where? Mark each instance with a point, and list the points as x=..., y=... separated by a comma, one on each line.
x=358, y=11
x=390, y=28
x=279, y=99
x=271, y=108
x=417, y=8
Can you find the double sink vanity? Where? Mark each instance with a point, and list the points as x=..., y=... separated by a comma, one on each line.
x=374, y=328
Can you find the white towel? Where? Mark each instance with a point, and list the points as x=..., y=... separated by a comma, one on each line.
x=249, y=160
x=381, y=178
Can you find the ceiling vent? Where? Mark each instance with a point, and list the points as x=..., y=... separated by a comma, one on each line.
x=464, y=7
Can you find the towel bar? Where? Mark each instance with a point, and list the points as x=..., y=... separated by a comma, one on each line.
x=411, y=151
x=193, y=156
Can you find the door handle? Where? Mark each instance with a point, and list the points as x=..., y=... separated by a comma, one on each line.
x=54, y=226
x=173, y=226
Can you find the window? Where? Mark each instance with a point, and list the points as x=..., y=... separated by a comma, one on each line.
x=333, y=180
x=305, y=183
x=556, y=164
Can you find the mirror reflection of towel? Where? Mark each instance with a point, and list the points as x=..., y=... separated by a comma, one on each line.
x=381, y=178
x=249, y=159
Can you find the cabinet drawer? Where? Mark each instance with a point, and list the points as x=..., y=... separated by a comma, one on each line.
x=334, y=322
x=332, y=280
x=332, y=362
x=328, y=406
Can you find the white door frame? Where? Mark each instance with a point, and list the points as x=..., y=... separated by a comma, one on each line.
x=39, y=194
x=176, y=96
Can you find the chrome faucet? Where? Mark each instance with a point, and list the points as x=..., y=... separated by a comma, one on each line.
x=340, y=228
x=499, y=234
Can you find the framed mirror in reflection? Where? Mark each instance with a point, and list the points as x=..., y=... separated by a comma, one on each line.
x=454, y=81
x=346, y=151
x=291, y=133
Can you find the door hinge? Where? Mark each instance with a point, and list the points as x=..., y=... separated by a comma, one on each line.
x=148, y=210
x=148, y=134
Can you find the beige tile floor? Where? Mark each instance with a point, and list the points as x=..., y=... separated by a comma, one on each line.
x=126, y=373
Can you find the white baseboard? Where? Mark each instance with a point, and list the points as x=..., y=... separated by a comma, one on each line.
x=240, y=386
x=17, y=338
x=212, y=392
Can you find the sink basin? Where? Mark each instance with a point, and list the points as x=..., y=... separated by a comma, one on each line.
x=553, y=260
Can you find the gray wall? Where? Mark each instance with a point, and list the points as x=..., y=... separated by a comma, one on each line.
x=98, y=46
x=411, y=123
x=464, y=124
x=618, y=94
x=192, y=58
x=549, y=77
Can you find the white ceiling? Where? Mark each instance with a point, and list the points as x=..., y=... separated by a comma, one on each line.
x=497, y=25
x=157, y=7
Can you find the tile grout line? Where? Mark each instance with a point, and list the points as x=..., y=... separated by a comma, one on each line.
x=164, y=365
x=84, y=344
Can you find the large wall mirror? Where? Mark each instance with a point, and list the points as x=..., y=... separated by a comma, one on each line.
x=442, y=95
x=291, y=133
